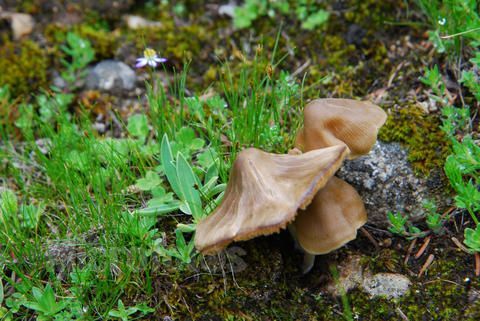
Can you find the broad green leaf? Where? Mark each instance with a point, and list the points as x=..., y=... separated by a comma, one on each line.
x=159, y=193
x=8, y=202
x=187, y=181
x=30, y=215
x=169, y=166
x=207, y=158
x=186, y=228
x=472, y=238
x=149, y=182
x=138, y=126
x=212, y=171
x=160, y=209
x=196, y=144
x=185, y=135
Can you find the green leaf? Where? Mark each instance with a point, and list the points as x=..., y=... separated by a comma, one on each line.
x=207, y=158
x=187, y=181
x=186, y=138
x=2, y=296
x=151, y=181
x=186, y=228
x=476, y=59
x=8, y=202
x=159, y=209
x=434, y=37
x=46, y=303
x=196, y=144
x=138, y=126
x=169, y=167
x=316, y=19
x=159, y=193
x=185, y=135
x=472, y=238
x=30, y=215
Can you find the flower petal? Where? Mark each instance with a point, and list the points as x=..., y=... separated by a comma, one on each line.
x=152, y=63
x=141, y=62
x=161, y=60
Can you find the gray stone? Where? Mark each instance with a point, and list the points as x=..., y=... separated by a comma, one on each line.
x=389, y=285
x=22, y=24
x=137, y=22
x=386, y=182
x=112, y=76
x=352, y=273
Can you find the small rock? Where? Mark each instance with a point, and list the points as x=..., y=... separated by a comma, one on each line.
x=350, y=276
x=227, y=9
x=353, y=274
x=58, y=81
x=101, y=128
x=389, y=285
x=111, y=75
x=137, y=22
x=21, y=23
x=386, y=182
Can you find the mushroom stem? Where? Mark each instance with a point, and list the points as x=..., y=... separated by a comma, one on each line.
x=308, y=262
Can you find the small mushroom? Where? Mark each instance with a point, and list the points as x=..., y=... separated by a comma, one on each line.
x=264, y=194
x=331, y=121
x=329, y=222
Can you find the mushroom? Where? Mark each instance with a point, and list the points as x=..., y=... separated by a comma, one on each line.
x=333, y=121
x=337, y=211
x=329, y=222
x=264, y=194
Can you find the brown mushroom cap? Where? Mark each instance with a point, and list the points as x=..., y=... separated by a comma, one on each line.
x=331, y=220
x=264, y=193
x=330, y=122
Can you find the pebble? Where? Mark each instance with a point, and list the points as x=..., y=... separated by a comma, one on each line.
x=353, y=274
x=22, y=24
x=111, y=76
x=136, y=22
x=388, y=285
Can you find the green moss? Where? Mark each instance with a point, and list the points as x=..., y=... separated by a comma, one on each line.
x=178, y=43
x=23, y=66
x=103, y=41
x=421, y=133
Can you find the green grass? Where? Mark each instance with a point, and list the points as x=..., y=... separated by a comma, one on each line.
x=80, y=227
x=454, y=24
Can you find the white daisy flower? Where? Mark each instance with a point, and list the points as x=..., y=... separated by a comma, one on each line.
x=150, y=58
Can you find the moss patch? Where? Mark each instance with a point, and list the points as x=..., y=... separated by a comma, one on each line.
x=23, y=67
x=421, y=133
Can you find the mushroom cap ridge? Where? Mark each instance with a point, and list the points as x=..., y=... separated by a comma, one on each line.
x=264, y=194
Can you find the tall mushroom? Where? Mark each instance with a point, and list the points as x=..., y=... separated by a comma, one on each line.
x=337, y=211
x=264, y=193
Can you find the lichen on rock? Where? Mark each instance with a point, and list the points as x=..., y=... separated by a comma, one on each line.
x=386, y=181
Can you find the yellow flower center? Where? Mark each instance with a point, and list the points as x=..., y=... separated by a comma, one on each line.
x=149, y=53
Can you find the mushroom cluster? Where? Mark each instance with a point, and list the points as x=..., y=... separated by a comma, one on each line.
x=266, y=192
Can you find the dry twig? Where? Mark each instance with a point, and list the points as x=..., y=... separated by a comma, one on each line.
x=427, y=263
